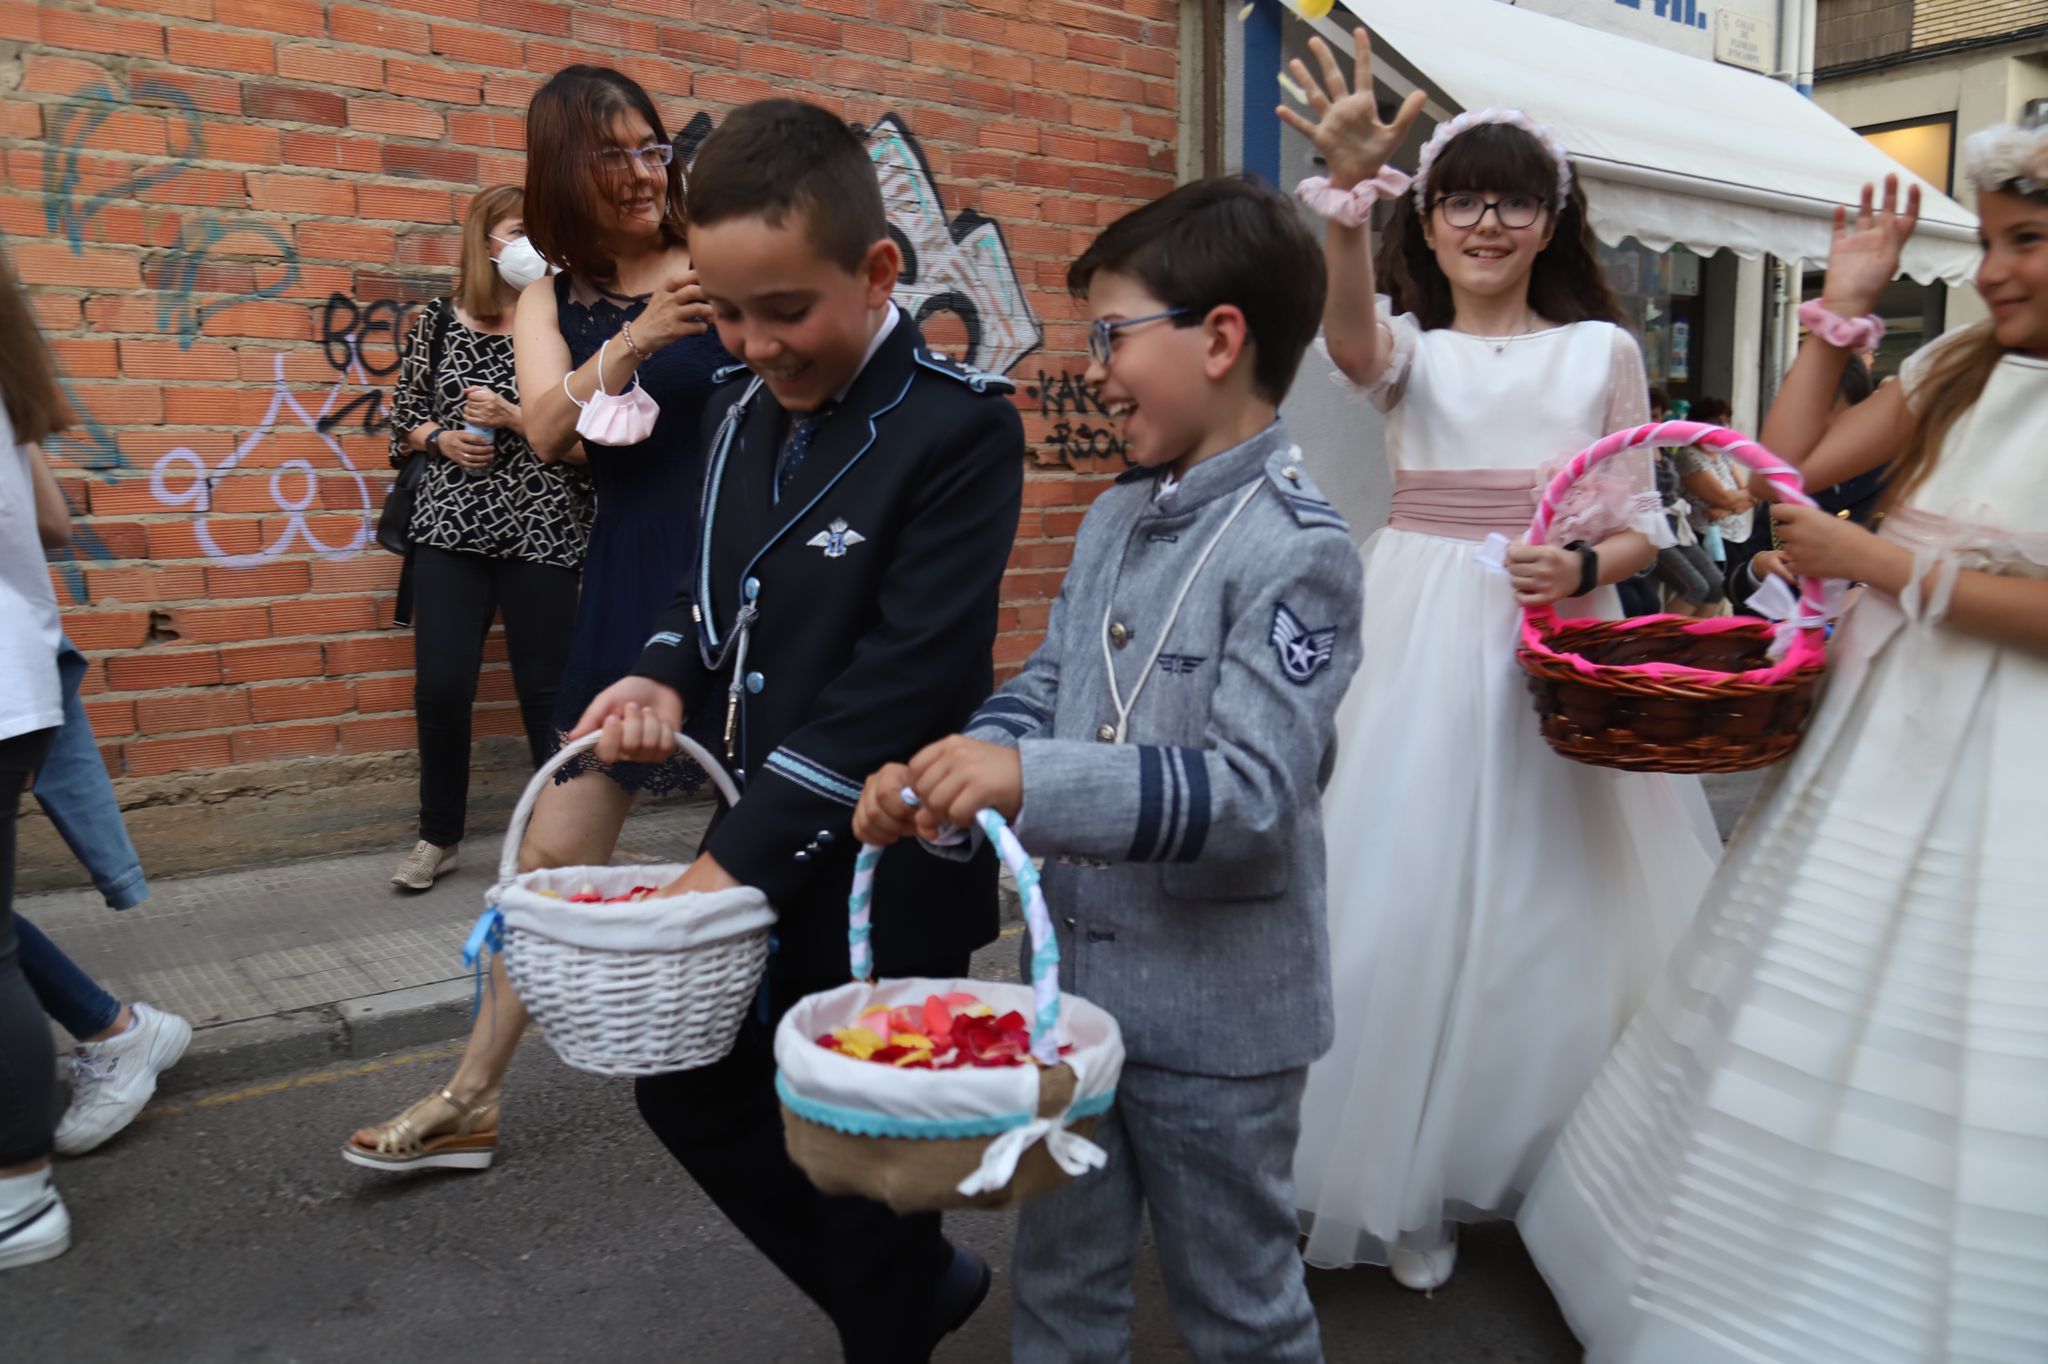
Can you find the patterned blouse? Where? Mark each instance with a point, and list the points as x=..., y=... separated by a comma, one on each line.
x=518, y=508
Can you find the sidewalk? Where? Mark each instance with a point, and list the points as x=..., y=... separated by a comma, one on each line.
x=280, y=967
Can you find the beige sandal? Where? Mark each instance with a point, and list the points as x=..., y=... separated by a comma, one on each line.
x=398, y=1144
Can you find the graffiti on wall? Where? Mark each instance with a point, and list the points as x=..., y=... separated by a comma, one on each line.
x=957, y=268
x=1079, y=431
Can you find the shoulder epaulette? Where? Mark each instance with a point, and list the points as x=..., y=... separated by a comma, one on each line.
x=1300, y=494
x=980, y=380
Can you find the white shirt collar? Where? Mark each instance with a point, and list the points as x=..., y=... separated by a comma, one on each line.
x=874, y=344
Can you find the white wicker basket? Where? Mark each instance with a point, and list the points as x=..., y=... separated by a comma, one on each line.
x=627, y=989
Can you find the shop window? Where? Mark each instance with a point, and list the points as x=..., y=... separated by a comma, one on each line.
x=1662, y=302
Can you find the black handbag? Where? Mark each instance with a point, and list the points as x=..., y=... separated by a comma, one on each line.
x=394, y=523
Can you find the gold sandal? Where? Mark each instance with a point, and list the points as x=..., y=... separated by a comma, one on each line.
x=398, y=1145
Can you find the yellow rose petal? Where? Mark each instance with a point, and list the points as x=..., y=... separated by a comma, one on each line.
x=1246, y=12
x=911, y=1039
x=977, y=1011
x=1313, y=9
x=1294, y=92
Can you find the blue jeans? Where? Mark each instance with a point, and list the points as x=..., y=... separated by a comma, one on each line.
x=65, y=991
x=75, y=792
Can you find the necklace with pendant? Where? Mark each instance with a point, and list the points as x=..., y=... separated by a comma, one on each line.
x=1500, y=344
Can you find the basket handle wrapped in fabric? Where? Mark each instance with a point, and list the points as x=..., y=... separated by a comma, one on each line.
x=1810, y=645
x=515, y=833
x=1045, y=948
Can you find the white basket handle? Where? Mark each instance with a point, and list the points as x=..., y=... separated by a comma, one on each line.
x=515, y=833
x=1045, y=947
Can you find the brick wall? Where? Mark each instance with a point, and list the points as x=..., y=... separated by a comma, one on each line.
x=1860, y=30
x=226, y=211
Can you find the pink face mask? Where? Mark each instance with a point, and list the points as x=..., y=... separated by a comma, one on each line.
x=623, y=418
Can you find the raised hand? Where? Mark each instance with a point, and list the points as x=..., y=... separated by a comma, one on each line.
x=675, y=310
x=1865, y=255
x=1347, y=131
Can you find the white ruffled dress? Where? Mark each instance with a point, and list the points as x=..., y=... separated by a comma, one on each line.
x=1824, y=1140
x=1496, y=911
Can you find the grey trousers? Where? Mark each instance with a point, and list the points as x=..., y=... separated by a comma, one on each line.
x=1213, y=1158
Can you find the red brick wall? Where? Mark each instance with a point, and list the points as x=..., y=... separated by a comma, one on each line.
x=226, y=209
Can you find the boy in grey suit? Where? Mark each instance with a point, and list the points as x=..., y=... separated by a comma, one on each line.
x=1165, y=749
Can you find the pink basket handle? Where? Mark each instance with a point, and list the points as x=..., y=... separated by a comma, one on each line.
x=1719, y=439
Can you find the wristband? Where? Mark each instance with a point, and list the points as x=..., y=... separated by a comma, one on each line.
x=1589, y=566
x=434, y=441
x=1845, y=333
x=1352, y=207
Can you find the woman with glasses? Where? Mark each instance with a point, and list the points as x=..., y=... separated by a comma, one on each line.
x=1496, y=911
x=623, y=327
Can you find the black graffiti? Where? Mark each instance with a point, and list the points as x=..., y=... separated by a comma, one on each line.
x=1075, y=438
x=363, y=341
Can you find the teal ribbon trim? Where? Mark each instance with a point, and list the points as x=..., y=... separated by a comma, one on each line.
x=860, y=1123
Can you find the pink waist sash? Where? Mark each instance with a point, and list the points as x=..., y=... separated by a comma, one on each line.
x=1464, y=504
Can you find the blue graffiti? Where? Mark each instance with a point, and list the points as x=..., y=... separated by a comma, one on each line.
x=176, y=312
x=65, y=211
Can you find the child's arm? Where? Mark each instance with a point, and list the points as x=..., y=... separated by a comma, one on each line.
x=1354, y=145
x=1863, y=259
x=1285, y=663
x=935, y=618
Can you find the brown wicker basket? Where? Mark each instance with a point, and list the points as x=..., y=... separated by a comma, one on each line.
x=1670, y=693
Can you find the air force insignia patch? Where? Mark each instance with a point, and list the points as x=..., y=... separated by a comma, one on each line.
x=1303, y=652
x=836, y=539
x=1180, y=664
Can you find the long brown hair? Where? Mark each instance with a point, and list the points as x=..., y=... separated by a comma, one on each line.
x=476, y=286
x=1566, y=284
x=568, y=194
x=1955, y=379
x=36, y=406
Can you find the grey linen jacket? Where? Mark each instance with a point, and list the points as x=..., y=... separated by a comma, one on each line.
x=1184, y=861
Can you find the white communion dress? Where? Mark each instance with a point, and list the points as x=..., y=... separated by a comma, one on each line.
x=1825, y=1137
x=1496, y=911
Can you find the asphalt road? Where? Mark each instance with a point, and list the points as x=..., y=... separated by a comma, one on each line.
x=225, y=1227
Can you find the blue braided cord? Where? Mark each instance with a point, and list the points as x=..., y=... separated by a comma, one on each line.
x=857, y=934
x=1045, y=956
x=860, y=1123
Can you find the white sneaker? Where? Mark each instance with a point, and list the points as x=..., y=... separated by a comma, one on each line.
x=423, y=864
x=39, y=1229
x=1424, y=1270
x=112, y=1080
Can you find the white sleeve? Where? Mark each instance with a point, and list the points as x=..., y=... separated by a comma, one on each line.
x=1621, y=494
x=1404, y=332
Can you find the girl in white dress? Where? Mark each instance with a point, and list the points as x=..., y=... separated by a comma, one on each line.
x=1495, y=910
x=1825, y=1137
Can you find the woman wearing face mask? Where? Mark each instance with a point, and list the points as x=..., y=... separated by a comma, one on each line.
x=495, y=529
x=604, y=202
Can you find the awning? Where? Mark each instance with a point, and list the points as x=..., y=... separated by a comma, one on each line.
x=1672, y=149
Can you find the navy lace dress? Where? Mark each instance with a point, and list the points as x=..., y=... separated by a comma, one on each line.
x=645, y=536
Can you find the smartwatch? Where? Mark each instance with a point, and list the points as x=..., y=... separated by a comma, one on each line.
x=1589, y=566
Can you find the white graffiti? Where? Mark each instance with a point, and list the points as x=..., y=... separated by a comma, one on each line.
x=294, y=485
x=961, y=265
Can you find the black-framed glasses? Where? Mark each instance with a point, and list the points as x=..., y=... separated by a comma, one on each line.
x=1513, y=210
x=1100, y=333
x=620, y=160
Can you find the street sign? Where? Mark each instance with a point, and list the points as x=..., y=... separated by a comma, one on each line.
x=1745, y=40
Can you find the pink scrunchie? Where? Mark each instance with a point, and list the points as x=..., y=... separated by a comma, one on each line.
x=1846, y=333
x=1352, y=207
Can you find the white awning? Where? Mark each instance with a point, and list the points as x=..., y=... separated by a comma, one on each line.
x=1673, y=149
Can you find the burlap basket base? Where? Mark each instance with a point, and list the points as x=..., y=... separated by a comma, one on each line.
x=916, y=1174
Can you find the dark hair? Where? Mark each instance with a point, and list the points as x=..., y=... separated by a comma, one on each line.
x=36, y=406
x=1713, y=411
x=1567, y=284
x=776, y=157
x=1225, y=240
x=567, y=191
x=1856, y=383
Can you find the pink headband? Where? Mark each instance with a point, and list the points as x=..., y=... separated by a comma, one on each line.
x=1472, y=118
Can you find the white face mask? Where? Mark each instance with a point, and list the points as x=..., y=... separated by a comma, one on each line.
x=520, y=262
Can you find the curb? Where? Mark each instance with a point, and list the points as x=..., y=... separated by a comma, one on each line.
x=224, y=1054
x=251, y=1049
